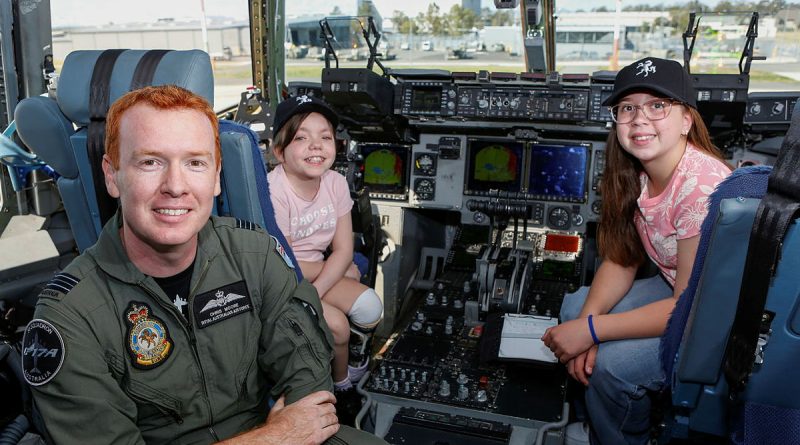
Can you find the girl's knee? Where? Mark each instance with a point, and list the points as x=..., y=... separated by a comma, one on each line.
x=338, y=324
x=573, y=303
x=367, y=310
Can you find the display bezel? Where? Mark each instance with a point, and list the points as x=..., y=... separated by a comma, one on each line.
x=387, y=191
x=426, y=99
x=474, y=186
x=545, y=157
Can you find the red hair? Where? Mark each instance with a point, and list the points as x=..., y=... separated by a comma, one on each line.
x=163, y=97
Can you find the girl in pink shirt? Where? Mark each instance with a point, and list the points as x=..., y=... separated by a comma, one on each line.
x=312, y=208
x=660, y=168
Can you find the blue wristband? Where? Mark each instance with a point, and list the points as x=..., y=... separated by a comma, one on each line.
x=591, y=331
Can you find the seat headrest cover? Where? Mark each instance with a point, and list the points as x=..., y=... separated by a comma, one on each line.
x=46, y=131
x=188, y=69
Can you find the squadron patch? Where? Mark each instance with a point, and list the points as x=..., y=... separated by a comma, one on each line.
x=220, y=304
x=282, y=252
x=42, y=352
x=148, y=340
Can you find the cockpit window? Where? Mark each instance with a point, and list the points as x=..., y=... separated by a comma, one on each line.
x=464, y=35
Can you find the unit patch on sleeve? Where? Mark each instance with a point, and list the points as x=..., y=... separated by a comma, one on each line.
x=221, y=304
x=282, y=252
x=148, y=340
x=42, y=352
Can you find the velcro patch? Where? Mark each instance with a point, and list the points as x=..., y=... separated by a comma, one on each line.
x=220, y=304
x=282, y=252
x=42, y=352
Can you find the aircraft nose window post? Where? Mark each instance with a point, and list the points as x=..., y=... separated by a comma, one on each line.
x=515, y=222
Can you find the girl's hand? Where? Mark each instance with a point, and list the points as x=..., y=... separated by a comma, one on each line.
x=569, y=339
x=353, y=272
x=580, y=367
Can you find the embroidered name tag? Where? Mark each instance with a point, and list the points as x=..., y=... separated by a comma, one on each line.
x=221, y=304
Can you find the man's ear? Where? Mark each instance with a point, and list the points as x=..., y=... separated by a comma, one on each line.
x=110, y=175
x=217, y=184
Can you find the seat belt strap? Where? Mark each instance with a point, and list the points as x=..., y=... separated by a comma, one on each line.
x=779, y=207
x=146, y=68
x=98, y=108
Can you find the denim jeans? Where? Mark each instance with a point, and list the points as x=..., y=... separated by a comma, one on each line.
x=617, y=402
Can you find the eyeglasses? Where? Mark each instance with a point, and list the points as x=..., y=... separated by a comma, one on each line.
x=655, y=110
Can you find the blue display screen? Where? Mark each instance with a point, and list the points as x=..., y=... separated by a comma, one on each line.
x=558, y=171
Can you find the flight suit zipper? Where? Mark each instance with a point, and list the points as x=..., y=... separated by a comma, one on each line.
x=189, y=331
x=298, y=330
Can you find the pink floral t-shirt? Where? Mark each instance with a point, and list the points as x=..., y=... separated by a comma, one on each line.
x=679, y=210
x=309, y=225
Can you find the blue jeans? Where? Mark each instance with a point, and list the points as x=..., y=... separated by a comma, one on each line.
x=616, y=399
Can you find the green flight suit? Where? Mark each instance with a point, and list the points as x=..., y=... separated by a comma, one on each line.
x=112, y=359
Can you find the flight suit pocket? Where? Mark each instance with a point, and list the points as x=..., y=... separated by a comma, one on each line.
x=311, y=321
x=246, y=377
x=155, y=409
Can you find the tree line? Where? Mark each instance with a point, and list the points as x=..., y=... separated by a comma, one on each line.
x=459, y=20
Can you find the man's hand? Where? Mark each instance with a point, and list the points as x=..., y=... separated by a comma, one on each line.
x=308, y=421
x=569, y=339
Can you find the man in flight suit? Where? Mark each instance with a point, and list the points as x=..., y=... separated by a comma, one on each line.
x=177, y=326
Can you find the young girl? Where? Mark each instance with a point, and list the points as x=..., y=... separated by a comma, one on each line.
x=660, y=168
x=312, y=208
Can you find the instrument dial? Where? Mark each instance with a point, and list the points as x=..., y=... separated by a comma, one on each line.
x=425, y=165
x=558, y=218
x=425, y=189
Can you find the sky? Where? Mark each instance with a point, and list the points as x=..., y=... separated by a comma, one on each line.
x=99, y=12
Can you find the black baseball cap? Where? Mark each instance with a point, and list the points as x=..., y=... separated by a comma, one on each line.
x=302, y=104
x=662, y=76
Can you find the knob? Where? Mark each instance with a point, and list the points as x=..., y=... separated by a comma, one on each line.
x=481, y=396
x=463, y=392
x=430, y=300
x=444, y=389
